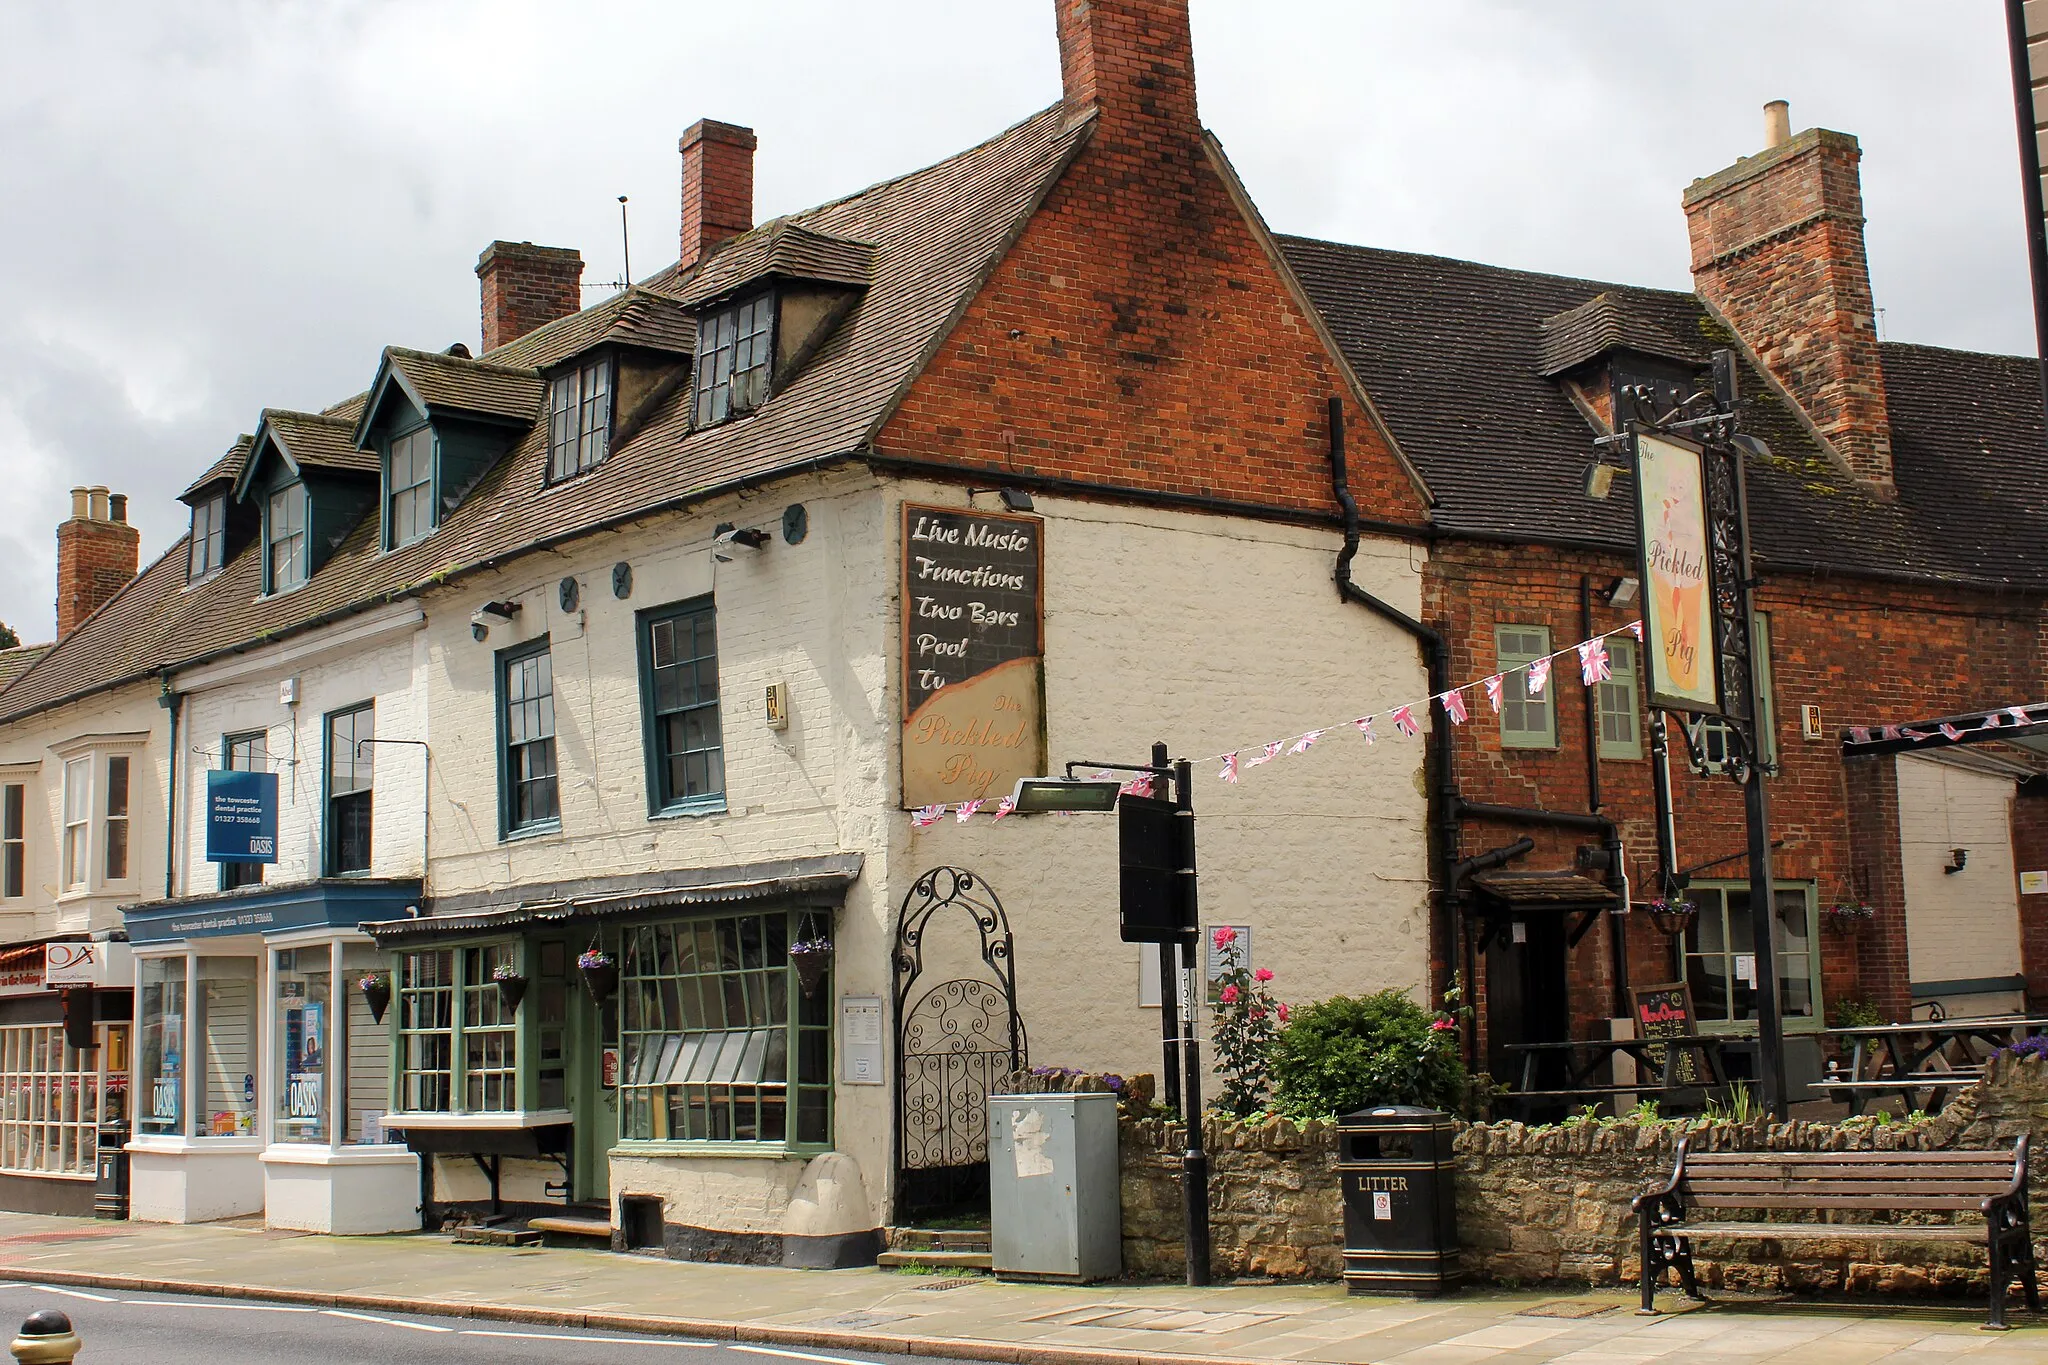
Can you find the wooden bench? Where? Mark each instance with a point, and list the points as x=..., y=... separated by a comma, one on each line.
x=1991, y=1183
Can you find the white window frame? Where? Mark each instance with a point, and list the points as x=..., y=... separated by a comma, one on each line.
x=285, y=499
x=76, y=837
x=14, y=837
x=82, y=841
x=414, y=500
x=33, y=1117
x=207, y=552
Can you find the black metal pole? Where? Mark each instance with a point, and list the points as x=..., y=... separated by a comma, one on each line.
x=1194, y=1161
x=2030, y=177
x=1667, y=826
x=1169, y=997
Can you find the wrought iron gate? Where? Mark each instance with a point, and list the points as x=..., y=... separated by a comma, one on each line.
x=956, y=1041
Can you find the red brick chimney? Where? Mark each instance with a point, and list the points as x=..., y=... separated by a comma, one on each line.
x=1132, y=59
x=98, y=552
x=1777, y=250
x=525, y=287
x=718, y=186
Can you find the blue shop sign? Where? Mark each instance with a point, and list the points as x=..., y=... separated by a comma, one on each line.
x=241, y=817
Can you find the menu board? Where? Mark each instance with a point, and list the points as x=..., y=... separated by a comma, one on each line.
x=973, y=693
x=1666, y=1012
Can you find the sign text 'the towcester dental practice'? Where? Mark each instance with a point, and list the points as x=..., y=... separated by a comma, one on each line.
x=973, y=707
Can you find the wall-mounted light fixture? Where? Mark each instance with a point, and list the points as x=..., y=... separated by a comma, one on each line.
x=1956, y=858
x=725, y=535
x=1600, y=480
x=1624, y=591
x=1015, y=499
x=480, y=619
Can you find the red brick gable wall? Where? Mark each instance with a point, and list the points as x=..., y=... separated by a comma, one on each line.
x=1137, y=336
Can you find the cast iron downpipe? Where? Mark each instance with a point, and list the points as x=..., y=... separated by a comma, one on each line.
x=1443, y=787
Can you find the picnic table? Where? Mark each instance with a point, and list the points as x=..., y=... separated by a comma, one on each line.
x=1667, y=1067
x=1930, y=1057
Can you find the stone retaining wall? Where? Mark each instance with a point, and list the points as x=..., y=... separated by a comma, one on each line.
x=1551, y=1202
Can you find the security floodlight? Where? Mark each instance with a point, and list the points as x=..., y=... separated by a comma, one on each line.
x=1622, y=592
x=1753, y=447
x=1600, y=480
x=727, y=535
x=1036, y=795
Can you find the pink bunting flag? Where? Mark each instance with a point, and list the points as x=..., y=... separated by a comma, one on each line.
x=1229, y=773
x=1454, y=706
x=1539, y=674
x=1635, y=628
x=1267, y=754
x=1859, y=734
x=1948, y=731
x=1594, y=663
x=1364, y=724
x=1404, y=721
x=1889, y=732
x=2019, y=715
x=1306, y=742
x=1493, y=686
x=966, y=811
x=1141, y=785
x=1991, y=722
x=1005, y=806
x=924, y=817
x=1916, y=735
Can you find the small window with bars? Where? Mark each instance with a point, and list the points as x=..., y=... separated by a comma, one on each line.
x=409, y=510
x=1528, y=720
x=526, y=685
x=734, y=349
x=1621, y=712
x=679, y=677
x=579, y=419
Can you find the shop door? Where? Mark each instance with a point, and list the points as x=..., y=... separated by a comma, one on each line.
x=1526, y=999
x=568, y=1034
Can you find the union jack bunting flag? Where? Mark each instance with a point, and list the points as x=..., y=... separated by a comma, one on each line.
x=2019, y=715
x=966, y=811
x=1306, y=742
x=1594, y=663
x=1454, y=706
x=1141, y=785
x=1859, y=734
x=1267, y=754
x=1493, y=687
x=1635, y=628
x=1229, y=773
x=1539, y=674
x=1404, y=721
x=927, y=816
x=1364, y=724
x=1005, y=806
x=1946, y=729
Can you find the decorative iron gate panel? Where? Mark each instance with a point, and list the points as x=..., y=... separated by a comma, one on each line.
x=958, y=1039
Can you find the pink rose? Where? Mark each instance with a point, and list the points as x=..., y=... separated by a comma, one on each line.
x=1281, y=1010
x=1230, y=995
x=1258, y=1013
x=1442, y=1025
x=1262, y=974
x=1225, y=936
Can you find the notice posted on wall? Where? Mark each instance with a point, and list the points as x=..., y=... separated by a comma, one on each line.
x=860, y=1039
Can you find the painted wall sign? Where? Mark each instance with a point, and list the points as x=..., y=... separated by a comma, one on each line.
x=241, y=817
x=973, y=702
x=87, y=964
x=1678, y=603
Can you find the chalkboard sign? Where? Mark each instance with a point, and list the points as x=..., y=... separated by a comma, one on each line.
x=973, y=710
x=1666, y=1012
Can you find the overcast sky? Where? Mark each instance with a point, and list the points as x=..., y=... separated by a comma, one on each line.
x=211, y=207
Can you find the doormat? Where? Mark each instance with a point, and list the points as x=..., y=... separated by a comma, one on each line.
x=1568, y=1308
x=1118, y=1317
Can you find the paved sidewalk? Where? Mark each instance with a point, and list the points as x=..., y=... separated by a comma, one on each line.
x=978, y=1318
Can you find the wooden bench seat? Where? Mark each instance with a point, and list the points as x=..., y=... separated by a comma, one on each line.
x=1992, y=1184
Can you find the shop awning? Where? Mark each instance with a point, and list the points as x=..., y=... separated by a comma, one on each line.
x=324, y=903
x=826, y=876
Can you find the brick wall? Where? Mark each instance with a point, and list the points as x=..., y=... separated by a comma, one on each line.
x=718, y=186
x=2030, y=852
x=97, y=553
x=525, y=287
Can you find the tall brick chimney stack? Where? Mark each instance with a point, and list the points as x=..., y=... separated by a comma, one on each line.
x=1132, y=59
x=1777, y=250
x=526, y=287
x=98, y=552
x=718, y=186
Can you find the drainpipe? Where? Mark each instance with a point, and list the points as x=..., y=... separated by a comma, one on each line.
x=1436, y=653
x=170, y=701
x=1617, y=925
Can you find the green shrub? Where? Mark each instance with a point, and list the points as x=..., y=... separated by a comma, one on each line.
x=1351, y=1052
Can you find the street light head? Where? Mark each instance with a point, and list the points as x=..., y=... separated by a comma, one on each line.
x=1752, y=447
x=1600, y=480
x=1036, y=795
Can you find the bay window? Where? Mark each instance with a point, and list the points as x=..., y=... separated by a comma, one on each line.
x=224, y=1042
x=115, y=824
x=459, y=1046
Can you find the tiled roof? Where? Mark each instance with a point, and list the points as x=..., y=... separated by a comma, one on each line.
x=226, y=469
x=316, y=441
x=1453, y=354
x=937, y=232
x=1602, y=324
x=636, y=317
x=456, y=384
x=781, y=248
x=17, y=661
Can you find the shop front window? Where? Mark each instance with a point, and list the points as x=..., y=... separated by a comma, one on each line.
x=426, y=1024
x=302, y=1042
x=364, y=1067
x=225, y=1023
x=1720, y=957
x=53, y=1097
x=720, y=1042
x=490, y=1051
x=160, y=1054
x=458, y=1038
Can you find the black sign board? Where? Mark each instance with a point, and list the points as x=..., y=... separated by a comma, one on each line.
x=1666, y=1012
x=1153, y=907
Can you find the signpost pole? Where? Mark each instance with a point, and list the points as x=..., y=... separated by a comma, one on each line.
x=1194, y=1161
x=1169, y=993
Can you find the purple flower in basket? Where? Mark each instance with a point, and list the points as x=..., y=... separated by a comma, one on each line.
x=806, y=946
x=593, y=957
x=504, y=971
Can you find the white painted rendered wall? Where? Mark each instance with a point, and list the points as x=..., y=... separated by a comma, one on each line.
x=1963, y=924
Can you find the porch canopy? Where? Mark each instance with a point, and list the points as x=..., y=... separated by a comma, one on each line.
x=2026, y=726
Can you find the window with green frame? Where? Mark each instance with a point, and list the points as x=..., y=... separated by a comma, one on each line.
x=526, y=740
x=1720, y=959
x=284, y=538
x=720, y=1041
x=409, y=487
x=1621, y=710
x=679, y=687
x=457, y=1038
x=1526, y=721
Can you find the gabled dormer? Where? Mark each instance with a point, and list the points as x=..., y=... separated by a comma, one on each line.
x=221, y=525
x=1610, y=342
x=309, y=485
x=433, y=424
x=766, y=302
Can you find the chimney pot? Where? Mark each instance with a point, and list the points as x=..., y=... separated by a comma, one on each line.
x=117, y=507
x=1777, y=124
x=525, y=287
x=99, y=502
x=79, y=504
x=718, y=186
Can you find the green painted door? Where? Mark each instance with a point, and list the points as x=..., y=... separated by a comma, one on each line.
x=592, y=1035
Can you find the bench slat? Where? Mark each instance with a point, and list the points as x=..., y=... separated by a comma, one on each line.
x=1836, y=1201
x=1850, y=1158
x=1863, y=1175
x=1799, y=1232
x=1902, y=1189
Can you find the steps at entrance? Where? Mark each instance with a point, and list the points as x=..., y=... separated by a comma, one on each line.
x=579, y=1225
x=936, y=1248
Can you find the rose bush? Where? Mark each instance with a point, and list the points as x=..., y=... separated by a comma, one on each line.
x=1351, y=1052
x=1245, y=1018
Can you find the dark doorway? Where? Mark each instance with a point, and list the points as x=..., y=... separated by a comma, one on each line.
x=1527, y=999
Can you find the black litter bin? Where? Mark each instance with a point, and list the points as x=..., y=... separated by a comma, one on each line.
x=110, y=1183
x=1400, y=1201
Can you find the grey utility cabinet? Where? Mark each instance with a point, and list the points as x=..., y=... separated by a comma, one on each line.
x=1053, y=1187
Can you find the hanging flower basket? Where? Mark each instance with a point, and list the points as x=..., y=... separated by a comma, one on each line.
x=1672, y=916
x=511, y=986
x=1846, y=917
x=376, y=989
x=812, y=958
x=600, y=973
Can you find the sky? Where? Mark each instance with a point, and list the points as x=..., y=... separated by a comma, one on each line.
x=217, y=206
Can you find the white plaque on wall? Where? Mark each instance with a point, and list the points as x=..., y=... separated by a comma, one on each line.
x=860, y=1039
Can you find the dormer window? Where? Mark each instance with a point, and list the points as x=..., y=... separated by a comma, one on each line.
x=735, y=347
x=284, y=538
x=208, y=549
x=409, y=509
x=579, y=418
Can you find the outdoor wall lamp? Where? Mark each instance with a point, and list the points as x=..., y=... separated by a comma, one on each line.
x=726, y=535
x=1956, y=858
x=1600, y=480
x=1015, y=499
x=1623, y=591
x=480, y=619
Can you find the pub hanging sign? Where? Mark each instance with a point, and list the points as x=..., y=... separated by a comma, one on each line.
x=973, y=688
x=1678, y=587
